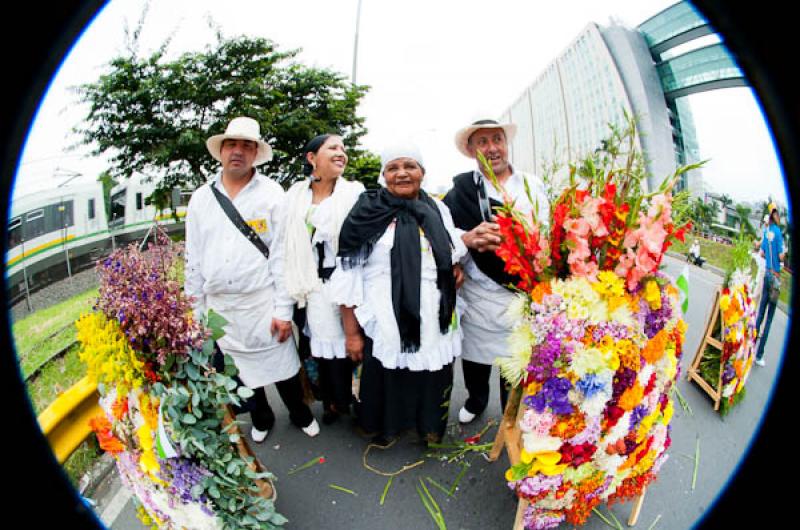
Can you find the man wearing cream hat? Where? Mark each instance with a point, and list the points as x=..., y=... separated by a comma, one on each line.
x=485, y=324
x=234, y=266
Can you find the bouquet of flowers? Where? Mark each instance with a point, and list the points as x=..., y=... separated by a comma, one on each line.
x=599, y=336
x=165, y=407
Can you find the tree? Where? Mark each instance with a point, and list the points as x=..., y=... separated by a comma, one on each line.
x=743, y=213
x=154, y=115
x=108, y=183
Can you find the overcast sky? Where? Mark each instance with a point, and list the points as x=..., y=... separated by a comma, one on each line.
x=432, y=66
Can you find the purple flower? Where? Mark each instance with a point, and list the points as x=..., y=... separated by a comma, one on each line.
x=637, y=415
x=554, y=395
x=538, y=519
x=728, y=374
x=623, y=379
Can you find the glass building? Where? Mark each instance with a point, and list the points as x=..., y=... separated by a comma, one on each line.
x=607, y=71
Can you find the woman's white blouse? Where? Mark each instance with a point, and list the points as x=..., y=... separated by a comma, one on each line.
x=369, y=288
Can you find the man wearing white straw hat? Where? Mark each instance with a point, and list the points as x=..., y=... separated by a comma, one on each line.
x=234, y=266
x=485, y=323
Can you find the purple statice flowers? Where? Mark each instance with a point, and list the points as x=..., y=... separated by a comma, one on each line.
x=139, y=290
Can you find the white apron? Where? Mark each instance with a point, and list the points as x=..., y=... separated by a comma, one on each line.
x=260, y=358
x=485, y=326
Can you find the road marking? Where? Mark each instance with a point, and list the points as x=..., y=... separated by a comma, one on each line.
x=115, y=507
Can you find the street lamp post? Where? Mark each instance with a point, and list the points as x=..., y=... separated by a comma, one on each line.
x=355, y=44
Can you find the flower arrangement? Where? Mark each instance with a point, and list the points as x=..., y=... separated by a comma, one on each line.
x=164, y=406
x=739, y=340
x=599, y=337
x=736, y=329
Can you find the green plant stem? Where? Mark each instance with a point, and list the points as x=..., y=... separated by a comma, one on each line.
x=340, y=488
x=386, y=489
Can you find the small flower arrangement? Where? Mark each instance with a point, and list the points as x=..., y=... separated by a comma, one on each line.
x=164, y=406
x=599, y=337
x=739, y=340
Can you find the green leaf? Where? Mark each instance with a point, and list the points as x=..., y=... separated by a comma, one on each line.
x=215, y=323
x=519, y=471
x=189, y=419
x=245, y=392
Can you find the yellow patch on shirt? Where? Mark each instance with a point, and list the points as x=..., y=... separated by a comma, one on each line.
x=259, y=225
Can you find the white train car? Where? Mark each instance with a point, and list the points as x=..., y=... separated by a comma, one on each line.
x=56, y=232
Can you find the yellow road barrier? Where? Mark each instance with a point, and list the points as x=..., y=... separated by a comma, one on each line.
x=65, y=422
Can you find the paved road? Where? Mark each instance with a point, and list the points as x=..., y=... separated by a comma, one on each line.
x=482, y=499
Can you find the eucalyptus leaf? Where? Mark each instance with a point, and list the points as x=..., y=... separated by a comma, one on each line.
x=245, y=392
x=189, y=419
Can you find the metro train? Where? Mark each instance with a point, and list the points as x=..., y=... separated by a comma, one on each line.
x=57, y=232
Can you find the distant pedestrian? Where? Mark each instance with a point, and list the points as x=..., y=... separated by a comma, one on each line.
x=772, y=251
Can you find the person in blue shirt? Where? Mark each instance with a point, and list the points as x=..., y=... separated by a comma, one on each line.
x=773, y=252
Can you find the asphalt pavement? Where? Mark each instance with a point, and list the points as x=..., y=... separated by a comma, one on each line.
x=482, y=499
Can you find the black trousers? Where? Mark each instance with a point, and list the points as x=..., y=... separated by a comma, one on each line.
x=336, y=383
x=476, y=379
x=261, y=414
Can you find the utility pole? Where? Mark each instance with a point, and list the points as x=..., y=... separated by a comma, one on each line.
x=355, y=44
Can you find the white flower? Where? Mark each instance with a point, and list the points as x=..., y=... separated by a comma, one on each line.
x=517, y=308
x=534, y=443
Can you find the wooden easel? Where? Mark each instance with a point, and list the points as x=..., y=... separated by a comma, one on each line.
x=709, y=340
x=510, y=437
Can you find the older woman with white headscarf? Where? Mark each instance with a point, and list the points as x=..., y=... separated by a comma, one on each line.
x=396, y=282
x=317, y=207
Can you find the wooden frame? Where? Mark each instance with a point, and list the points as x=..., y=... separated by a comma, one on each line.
x=510, y=437
x=709, y=340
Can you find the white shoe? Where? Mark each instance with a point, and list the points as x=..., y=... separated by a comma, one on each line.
x=760, y=362
x=258, y=436
x=312, y=429
x=465, y=416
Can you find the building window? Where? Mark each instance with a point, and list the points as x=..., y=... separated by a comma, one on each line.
x=34, y=224
x=14, y=232
x=139, y=204
x=91, y=208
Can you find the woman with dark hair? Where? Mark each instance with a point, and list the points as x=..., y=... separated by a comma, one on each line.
x=396, y=278
x=316, y=208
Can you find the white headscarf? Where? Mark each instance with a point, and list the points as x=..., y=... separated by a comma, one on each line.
x=403, y=149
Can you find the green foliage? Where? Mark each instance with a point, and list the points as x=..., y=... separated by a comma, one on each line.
x=154, y=115
x=364, y=167
x=740, y=258
x=194, y=399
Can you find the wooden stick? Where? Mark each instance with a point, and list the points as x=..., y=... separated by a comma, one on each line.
x=522, y=505
x=637, y=507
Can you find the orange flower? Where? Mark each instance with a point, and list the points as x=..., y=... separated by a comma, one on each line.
x=655, y=347
x=120, y=407
x=569, y=427
x=629, y=356
x=539, y=292
x=632, y=397
x=102, y=428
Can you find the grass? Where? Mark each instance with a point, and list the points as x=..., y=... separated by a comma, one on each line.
x=719, y=255
x=37, y=337
x=31, y=333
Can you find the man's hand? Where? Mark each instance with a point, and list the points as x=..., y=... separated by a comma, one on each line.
x=458, y=273
x=485, y=236
x=283, y=328
x=354, y=346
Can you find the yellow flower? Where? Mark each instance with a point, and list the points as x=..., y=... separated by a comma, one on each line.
x=724, y=302
x=668, y=411
x=545, y=462
x=652, y=294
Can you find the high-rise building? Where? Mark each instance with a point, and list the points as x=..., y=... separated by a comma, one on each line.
x=607, y=71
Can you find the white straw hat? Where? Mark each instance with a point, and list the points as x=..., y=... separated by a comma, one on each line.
x=241, y=128
x=462, y=136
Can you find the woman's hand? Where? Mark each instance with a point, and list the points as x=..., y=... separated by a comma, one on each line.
x=485, y=236
x=283, y=328
x=458, y=274
x=354, y=346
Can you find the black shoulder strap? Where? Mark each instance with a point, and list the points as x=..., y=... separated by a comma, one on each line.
x=236, y=218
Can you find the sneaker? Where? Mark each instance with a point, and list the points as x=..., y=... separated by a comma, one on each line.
x=312, y=429
x=258, y=436
x=465, y=416
x=760, y=362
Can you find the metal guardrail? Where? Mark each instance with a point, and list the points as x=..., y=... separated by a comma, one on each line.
x=65, y=422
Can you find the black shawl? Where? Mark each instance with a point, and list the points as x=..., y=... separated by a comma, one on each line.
x=465, y=209
x=367, y=222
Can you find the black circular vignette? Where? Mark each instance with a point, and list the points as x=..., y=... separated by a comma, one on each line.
x=761, y=40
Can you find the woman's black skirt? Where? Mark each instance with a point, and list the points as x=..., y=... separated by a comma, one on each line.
x=393, y=401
